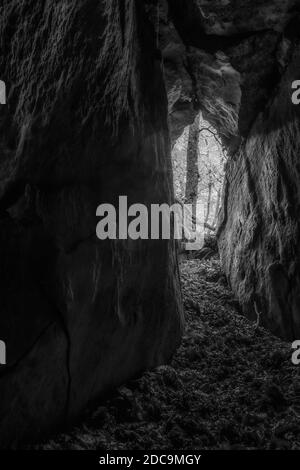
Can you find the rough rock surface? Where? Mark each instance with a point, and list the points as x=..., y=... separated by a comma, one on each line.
x=241, y=58
x=78, y=315
x=259, y=232
x=195, y=78
x=215, y=50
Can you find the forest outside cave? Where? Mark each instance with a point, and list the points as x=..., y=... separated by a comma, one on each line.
x=198, y=162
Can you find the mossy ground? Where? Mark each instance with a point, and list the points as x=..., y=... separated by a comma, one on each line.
x=230, y=385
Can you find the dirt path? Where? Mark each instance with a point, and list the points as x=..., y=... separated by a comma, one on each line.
x=230, y=386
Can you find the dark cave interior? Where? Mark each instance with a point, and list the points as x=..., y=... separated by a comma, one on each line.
x=98, y=93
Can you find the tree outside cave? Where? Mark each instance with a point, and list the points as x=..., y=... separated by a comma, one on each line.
x=198, y=160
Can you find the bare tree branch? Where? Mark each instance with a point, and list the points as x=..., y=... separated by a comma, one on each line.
x=208, y=129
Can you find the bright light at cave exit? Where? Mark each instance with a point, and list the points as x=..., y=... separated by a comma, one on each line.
x=211, y=161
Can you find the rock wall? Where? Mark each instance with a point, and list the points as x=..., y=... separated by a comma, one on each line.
x=86, y=121
x=236, y=61
x=196, y=79
x=259, y=232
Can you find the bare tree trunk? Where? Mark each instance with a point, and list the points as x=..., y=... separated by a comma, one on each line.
x=191, y=188
x=209, y=198
x=217, y=208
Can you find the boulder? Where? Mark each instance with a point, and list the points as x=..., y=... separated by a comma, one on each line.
x=85, y=122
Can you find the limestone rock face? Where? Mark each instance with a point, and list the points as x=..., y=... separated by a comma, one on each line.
x=242, y=57
x=230, y=17
x=195, y=79
x=178, y=78
x=86, y=121
x=259, y=231
x=244, y=37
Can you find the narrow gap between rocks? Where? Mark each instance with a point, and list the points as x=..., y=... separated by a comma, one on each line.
x=231, y=384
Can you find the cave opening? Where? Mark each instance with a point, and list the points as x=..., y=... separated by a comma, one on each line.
x=198, y=162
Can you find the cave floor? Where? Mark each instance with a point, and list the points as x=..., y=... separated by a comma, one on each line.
x=230, y=385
